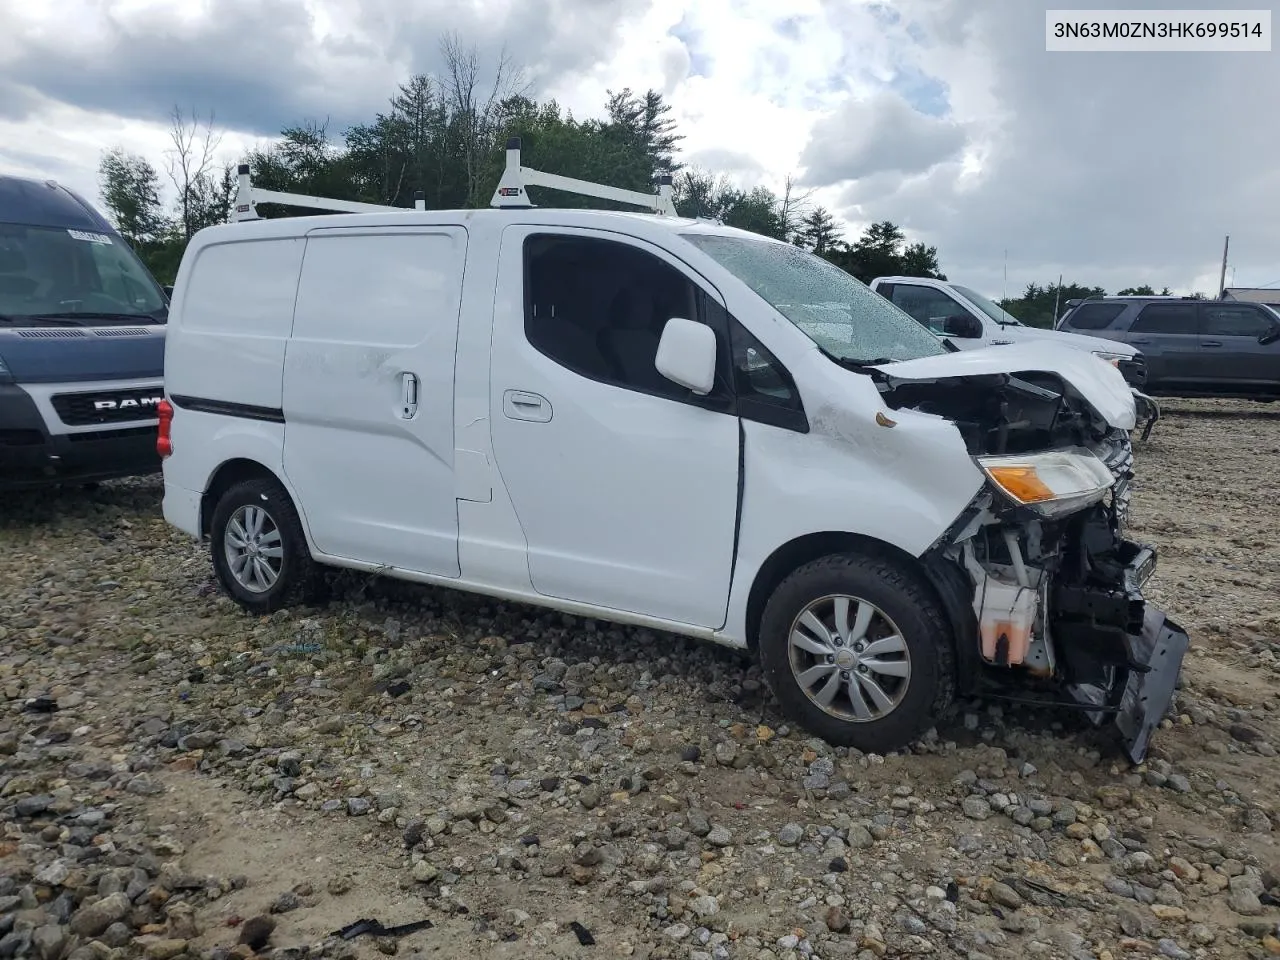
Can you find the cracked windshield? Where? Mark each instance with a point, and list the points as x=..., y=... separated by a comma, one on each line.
x=843, y=317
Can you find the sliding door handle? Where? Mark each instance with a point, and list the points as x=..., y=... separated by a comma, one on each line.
x=409, y=395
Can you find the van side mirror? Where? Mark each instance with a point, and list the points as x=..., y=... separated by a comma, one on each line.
x=687, y=355
x=962, y=325
x=1271, y=336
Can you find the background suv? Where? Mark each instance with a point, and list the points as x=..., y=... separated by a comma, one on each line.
x=1193, y=348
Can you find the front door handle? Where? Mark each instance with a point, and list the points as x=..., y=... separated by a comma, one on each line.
x=1210, y=343
x=1139, y=340
x=408, y=395
x=522, y=405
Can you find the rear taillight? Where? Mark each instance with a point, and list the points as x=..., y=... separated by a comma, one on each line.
x=164, y=442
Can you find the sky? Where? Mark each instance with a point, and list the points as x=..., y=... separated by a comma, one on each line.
x=947, y=117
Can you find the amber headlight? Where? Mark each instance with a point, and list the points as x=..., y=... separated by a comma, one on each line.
x=1051, y=483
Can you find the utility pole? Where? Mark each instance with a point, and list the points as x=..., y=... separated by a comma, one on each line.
x=1057, y=297
x=1222, y=279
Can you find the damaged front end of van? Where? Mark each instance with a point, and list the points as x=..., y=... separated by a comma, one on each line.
x=1037, y=569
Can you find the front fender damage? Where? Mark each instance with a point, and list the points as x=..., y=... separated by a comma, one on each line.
x=1059, y=617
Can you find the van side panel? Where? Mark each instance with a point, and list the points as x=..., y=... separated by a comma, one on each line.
x=368, y=394
x=234, y=317
x=228, y=325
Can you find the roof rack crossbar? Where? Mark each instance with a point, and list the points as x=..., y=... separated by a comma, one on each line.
x=512, y=195
x=248, y=197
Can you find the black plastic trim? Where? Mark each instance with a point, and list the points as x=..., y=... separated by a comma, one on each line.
x=955, y=591
x=227, y=408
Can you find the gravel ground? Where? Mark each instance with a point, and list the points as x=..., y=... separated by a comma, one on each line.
x=179, y=779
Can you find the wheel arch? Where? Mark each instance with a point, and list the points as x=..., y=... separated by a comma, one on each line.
x=226, y=476
x=942, y=579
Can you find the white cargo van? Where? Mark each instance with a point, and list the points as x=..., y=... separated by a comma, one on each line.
x=667, y=422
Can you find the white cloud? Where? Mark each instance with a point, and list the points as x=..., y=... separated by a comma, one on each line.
x=64, y=143
x=881, y=134
x=945, y=116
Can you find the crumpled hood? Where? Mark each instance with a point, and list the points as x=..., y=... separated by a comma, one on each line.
x=1079, y=340
x=1101, y=385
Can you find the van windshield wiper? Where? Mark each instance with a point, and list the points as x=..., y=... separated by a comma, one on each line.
x=65, y=320
x=76, y=315
x=854, y=364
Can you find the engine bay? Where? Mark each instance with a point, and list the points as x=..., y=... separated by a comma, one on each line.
x=1002, y=413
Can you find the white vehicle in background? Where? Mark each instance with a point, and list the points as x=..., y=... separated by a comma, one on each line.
x=665, y=422
x=971, y=321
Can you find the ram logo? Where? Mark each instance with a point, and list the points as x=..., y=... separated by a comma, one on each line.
x=129, y=403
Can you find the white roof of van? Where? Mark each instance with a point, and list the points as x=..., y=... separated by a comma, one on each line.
x=638, y=223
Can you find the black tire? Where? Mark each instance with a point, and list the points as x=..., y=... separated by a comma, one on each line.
x=298, y=577
x=921, y=622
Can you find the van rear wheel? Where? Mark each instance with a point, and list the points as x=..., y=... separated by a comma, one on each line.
x=858, y=652
x=259, y=552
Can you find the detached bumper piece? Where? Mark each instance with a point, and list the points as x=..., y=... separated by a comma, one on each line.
x=1148, y=410
x=1119, y=656
x=1160, y=649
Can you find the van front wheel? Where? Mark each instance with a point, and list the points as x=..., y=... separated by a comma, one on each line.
x=259, y=552
x=858, y=652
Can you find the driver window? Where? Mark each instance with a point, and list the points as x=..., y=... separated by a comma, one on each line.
x=928, y=306
x=598, y=307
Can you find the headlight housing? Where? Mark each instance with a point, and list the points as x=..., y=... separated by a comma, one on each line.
x=1052, y=483
x=1111, y=358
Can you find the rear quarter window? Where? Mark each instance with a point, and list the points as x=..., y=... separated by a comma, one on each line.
x=1094, y=316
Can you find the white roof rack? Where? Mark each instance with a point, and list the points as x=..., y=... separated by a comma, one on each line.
x=510, y=195
x=248, y=197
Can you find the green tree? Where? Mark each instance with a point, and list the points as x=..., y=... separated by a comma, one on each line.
x=304, y=160
x=1036, y=305
x=1143, y=291
x=882, y=251
x=818, y=231
x=130, y=188
x=643, y=122
x=700, y=193
x=917, y=260
x=445, y=136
